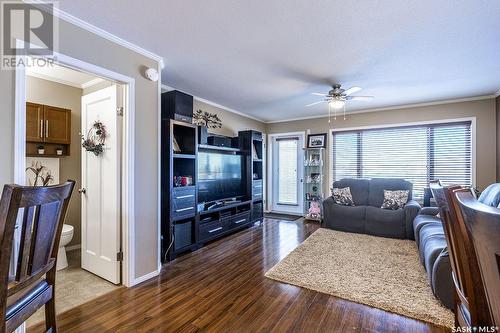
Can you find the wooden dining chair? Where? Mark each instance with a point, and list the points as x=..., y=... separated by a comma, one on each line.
x=470, y=299
x=42, y=211
x=483, y=225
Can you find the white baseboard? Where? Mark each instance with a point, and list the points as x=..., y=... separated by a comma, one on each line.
x=145, y=277
x=73, y=247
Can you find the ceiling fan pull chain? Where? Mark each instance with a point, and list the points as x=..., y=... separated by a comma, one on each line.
x=329, y=113
x=344, y=111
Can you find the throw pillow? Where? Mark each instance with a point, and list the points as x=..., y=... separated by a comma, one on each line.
x=395, y=199
x=342, y=196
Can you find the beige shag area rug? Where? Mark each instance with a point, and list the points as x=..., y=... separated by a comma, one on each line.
x=380, y=272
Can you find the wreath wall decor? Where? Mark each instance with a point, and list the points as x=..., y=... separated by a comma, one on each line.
x=96, y=137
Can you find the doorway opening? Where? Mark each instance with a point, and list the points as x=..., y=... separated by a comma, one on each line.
x=286, y=185
x=63, y=107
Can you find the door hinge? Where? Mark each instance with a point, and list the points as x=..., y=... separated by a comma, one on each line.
x=119, y=111
x=119, y=256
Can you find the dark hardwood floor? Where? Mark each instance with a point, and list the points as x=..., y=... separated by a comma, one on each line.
x=222, y=288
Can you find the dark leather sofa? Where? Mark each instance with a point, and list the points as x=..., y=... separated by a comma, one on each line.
x=431, y=242
x=366, y=216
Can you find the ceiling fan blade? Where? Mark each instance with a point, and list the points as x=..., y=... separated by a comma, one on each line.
x=318, y=94
x=315, y=103
x=360, y=98
x=352, y=90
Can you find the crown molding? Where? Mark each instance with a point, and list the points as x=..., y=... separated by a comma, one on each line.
x=64, y=82
x=396, y=107
x=497, y=93
x=97, y=31
x=91, y=83
x=53, y=79
x=165, y=88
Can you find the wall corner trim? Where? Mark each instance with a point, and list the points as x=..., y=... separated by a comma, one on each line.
x=145, y=277
x=98, y=31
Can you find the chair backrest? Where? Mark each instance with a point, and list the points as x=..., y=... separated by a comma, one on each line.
x=470, y=297
x=483, y=224
x=43, y=210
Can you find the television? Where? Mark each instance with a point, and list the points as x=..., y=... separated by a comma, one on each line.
x=220, y=176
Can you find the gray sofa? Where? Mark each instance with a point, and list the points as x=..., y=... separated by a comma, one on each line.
x=366, y=216
x=431, y=242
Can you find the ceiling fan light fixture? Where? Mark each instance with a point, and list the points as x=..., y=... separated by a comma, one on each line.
x=337, y=104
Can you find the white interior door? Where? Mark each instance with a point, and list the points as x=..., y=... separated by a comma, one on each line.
x=101, y=205
x=287, y=174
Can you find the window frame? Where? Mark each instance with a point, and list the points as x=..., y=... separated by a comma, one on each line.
x=472, y=121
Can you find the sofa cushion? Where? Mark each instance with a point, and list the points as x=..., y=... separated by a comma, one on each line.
x=491, y=195
x=432, y=249
x=422, y=220
x=385, y=223
x=359, y=189
x=342, y=196
x=378, y=185
x=442, y=281
x=395, y=199
x=344, y=218
x=427, y=233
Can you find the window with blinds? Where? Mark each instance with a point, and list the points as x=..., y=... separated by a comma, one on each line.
x=287, y=171
x=416, y=153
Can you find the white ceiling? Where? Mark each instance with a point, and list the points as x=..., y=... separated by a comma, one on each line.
x=63, y=75
x=264, y=58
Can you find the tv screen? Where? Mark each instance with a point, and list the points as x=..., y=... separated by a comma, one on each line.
x=220, y=176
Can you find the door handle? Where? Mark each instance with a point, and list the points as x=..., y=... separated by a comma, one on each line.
x=82, y=190
x=46, y=128
x=41, y=128
x=240, y=221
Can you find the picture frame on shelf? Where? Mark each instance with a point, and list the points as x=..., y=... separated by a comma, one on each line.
x=255, y=154
x=316, y=140
x=175, y=145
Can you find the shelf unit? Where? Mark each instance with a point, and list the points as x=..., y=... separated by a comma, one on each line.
x=178, y=196
x=251, y=142
x=313, y=180
x=187, y=225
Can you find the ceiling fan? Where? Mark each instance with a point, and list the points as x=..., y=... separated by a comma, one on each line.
x=337, y=97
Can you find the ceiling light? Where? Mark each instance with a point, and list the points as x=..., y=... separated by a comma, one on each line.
x=337, y=104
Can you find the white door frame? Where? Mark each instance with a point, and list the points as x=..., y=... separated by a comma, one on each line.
x=270, y=174
x=128, y=210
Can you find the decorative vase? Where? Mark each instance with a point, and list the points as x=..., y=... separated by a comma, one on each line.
x=202, y=135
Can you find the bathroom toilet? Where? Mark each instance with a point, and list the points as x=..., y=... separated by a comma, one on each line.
x=66, y=236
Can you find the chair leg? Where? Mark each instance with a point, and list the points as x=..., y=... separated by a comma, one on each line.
x=50, y=316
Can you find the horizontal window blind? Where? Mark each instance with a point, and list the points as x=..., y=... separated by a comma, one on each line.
x=287, y=171
x=416, y=153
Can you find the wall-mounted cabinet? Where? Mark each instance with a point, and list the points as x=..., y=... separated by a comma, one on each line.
x=48, y=129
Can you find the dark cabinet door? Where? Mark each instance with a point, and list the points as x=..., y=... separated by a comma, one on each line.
x=34, y=122
x=57, y=125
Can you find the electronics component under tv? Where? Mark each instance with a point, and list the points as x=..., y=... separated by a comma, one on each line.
x=220, y=176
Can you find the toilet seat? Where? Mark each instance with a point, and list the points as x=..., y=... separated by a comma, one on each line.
x=67, y=229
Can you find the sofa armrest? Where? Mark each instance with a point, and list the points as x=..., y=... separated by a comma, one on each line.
x=412, y=208
x=429, y=211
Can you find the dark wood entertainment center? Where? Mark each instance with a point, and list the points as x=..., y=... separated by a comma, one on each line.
x=186, y=224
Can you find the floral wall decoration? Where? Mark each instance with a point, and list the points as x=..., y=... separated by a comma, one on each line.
x=96, y=138
x=42, y=171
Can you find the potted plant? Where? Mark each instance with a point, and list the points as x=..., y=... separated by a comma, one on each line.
x=41, y=150
x=59, y=151
x=205, y=120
